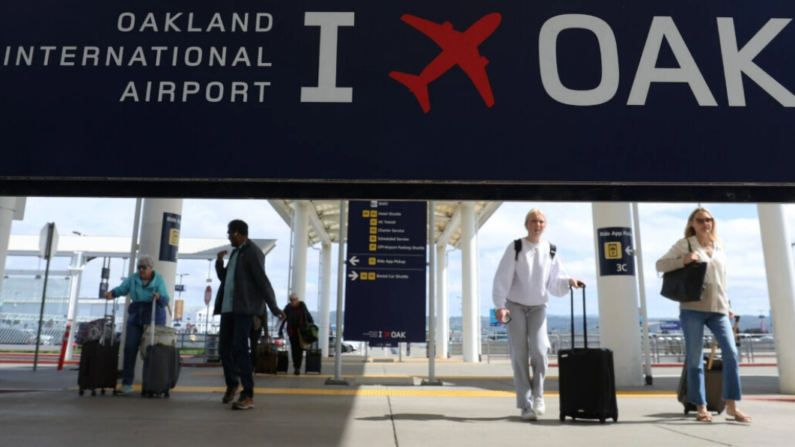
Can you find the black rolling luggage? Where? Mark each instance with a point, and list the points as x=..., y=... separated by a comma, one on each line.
x=282, y=361
x=99, y=363
x=313, y=359
x=161, y=366
x=99, y=360
x=587, y=378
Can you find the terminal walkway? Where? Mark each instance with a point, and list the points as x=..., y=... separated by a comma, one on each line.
x=383, y=406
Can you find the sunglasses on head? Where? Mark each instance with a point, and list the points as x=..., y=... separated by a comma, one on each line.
x=705, y=220
x=143, y=267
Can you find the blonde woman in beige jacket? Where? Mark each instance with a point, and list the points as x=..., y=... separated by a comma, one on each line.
x=701, y=244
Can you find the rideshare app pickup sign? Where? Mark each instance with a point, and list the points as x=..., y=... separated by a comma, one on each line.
x=616, y=252
x=385, y=285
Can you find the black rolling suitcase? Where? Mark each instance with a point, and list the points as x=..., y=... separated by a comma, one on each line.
x=99, y=360
x=282, y=361
x=587, y=379
x=161, y=366
x=313, y=359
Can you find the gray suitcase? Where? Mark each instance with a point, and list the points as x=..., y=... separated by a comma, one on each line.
x=162, y=365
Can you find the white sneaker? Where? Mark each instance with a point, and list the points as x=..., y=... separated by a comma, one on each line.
x=528, y=414
x=538, y=406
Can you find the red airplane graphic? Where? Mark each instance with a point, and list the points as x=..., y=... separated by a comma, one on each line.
x=457, y=49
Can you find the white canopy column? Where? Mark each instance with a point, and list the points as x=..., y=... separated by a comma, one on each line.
x=325, y=297
x=300, y=245
x=469, y=271
x=76, y=267
x=442, y=307
x=618, y=300
x=10, y=208
x=781, y=289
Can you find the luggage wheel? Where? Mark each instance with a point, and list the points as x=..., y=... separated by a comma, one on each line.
x=82, y=391
x=562, y=417
x=166, y=395
x=93, y=392
x=615, y=418
x=601, y=420
x=102, y=391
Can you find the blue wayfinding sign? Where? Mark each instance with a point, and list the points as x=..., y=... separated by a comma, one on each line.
x=616, y=252
x=385, y=285
x=634, y=90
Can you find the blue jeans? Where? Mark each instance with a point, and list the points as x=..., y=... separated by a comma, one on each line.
x=234, y=351
x=693, y=323
x=132, y=343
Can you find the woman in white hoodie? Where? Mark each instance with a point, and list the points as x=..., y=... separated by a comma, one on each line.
x=528, y=272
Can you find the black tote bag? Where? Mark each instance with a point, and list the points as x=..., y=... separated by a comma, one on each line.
x=685, y=285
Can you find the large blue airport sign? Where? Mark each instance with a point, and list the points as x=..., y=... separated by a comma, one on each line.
x=649, y=92
x=385, y=284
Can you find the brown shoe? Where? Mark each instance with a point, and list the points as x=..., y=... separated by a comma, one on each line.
x=230, y=394
x=244, y=403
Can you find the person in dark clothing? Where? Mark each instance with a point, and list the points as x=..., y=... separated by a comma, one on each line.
x=244, y=292
x=297, y=315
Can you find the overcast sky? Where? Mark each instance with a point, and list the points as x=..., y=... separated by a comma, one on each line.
x=569, y=227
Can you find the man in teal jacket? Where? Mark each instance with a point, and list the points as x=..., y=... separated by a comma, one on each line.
x=244, y=292
x=146, y=288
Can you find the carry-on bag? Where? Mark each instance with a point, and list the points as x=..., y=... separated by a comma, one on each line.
x=282, y=360
x=713, y=380
x=99, y=359
x=313, y=359
x=162, y=365
x=587, y=378
x=267, y=358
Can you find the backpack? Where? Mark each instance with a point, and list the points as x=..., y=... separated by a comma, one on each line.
x=517, y=246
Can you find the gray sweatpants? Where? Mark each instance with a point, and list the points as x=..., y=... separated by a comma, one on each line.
x=527, y=335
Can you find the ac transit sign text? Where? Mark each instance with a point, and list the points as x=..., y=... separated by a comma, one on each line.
x=636, y=91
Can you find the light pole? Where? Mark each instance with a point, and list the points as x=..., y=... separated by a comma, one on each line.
x=180, y=288
x=179, y=291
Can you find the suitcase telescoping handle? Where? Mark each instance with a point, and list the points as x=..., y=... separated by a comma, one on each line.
x=584, y=324
x=112, y=324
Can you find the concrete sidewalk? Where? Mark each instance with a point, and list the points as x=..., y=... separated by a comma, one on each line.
x=379, y=408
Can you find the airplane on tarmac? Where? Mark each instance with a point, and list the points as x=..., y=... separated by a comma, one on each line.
x=458, y=48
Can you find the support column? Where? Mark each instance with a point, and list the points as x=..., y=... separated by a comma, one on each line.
x=442, y=307
x=469, y=271
x=300, y=245
x=157, y=215
x=7, y=209
x=618, y=301
x=325, y=298
x=76, y=268
x=781, y=289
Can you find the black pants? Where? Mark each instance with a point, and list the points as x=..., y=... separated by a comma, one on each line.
x=297, y=350
x=235, y=356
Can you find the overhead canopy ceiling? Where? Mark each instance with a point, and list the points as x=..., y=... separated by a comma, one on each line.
x=119, y=247
x=324, y=217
